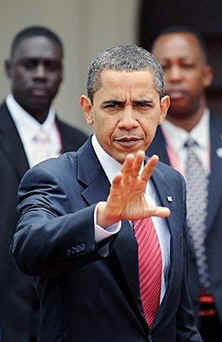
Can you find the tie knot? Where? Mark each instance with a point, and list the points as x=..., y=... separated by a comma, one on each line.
x=190, y=142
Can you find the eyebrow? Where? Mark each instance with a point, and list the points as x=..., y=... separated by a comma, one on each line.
x=143, y=102
x=120, y=103
x=113, y=102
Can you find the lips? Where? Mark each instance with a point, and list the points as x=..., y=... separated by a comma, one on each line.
x=41, y=92
x=128, y=141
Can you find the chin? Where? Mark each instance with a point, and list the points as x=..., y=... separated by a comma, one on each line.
x=178, y=112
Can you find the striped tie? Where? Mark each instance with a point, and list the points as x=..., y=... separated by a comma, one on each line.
x=150, y=267
x=197, y=198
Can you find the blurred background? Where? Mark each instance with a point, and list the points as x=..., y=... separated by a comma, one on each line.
x=88, y=26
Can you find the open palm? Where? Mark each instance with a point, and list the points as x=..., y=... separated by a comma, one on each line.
x=126, y=200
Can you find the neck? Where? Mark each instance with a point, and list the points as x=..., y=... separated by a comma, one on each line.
x=40, y=117
x=40, y=114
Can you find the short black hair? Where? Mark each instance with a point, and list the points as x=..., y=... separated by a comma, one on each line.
x=185, y=29
x=36, y=31
x=124, y=58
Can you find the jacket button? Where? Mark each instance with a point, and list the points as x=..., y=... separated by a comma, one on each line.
x=68, y=252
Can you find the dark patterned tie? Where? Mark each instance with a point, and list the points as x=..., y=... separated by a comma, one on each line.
x=197, y=192
x=150, y=267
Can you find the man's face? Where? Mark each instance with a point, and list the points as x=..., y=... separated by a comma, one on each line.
x=35, y=71
x=125, y=112
x=186, y=72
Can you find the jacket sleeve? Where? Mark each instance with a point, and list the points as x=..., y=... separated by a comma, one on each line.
x=185, y=320
x=50, y=238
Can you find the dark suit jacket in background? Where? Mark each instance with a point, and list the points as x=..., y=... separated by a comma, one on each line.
x=90, y=291
x=18, y=301
x=213, y=241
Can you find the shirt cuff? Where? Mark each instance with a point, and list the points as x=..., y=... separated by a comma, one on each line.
x=101, y=233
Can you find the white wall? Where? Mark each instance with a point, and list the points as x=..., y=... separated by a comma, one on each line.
x=85, y=26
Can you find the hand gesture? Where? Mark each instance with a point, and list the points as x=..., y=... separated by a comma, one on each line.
x=126, y=200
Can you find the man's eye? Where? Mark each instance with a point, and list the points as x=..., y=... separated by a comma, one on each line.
x=53, y=66
x=188, y=65
x=143, y=105
x=29, y=65
x=113, y=106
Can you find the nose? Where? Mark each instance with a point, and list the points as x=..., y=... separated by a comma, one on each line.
x=128, y=120
x=40, y=72
x=174, y=74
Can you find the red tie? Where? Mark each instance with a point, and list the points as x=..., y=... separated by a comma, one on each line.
x=150, y=267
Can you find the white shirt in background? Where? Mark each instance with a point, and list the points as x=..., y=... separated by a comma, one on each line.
x=176, y=138
x=28, y=127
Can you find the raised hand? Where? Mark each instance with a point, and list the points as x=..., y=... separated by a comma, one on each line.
x=126, y=200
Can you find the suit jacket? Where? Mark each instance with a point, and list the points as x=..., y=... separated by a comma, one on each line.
x=90, y=292
x=19, y=303
x=213, y=240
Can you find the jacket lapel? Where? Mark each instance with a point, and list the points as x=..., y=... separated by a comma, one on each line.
x=159, y=146
x=215, y=191
x=11, y=142
x=66, y=142
x=124, y=246
x=91, y=174
x=165, y=193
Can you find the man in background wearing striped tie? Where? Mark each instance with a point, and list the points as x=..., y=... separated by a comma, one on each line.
x=191, y=141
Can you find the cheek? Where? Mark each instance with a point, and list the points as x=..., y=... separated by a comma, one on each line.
x=106, y=125
x=149, y=127
x=56, y=80
x=55, y=84
x=21, y=79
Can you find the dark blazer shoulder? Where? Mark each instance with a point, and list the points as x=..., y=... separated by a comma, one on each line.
x=72, y=137
x=159, y=146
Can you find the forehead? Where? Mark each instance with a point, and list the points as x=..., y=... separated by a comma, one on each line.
x=118, y=83
x=177, y=45
x=37, y=47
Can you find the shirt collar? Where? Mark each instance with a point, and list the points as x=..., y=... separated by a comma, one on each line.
x=25, y=123
x=178, y=136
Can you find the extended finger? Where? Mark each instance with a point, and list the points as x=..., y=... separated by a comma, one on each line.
x=149, y=168
x=158, y=211
x=138, y=161
x=127, y=170
x=116, y=181
x=127, y=165
x=115, y=191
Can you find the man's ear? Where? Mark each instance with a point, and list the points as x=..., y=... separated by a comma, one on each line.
x=164, y=106
x=7, y=65
x=207, y=76
x=87, y=109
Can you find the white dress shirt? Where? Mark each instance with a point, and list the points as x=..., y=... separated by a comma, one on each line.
x=111, y=168
x=176, y=137
x=28, y=127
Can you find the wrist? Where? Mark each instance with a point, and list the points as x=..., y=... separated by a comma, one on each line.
x=104, y=217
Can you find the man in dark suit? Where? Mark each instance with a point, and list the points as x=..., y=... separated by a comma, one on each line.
x=106, y=270
x=183, y=57
x=35, y=72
